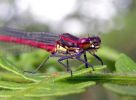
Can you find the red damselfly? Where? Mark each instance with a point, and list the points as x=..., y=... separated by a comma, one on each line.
x=65, y=46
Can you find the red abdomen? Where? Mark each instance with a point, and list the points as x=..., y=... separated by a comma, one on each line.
x=43, y=40
x=48, y=47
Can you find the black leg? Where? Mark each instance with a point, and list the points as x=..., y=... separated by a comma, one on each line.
x=67, y=62
x=97, y=57
x=78, y=57
x=85, y=57
x=43, y=62
x=67, y=65
x=82, y=60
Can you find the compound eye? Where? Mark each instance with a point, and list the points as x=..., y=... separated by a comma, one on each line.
x=83, y=41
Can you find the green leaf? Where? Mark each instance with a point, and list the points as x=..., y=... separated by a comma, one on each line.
x=121, y=89
x=47, y=89
x=108, y=53
x=124, y=65
x=48, y=86
x=51, y=86
x=6, y=76
x=44, y=88
x=109, y=56
x=9, y=66
x=14, y=85
x=56, y=87
x=38, y=85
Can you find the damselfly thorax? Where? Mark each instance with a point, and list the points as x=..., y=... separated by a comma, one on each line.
x=66, y=50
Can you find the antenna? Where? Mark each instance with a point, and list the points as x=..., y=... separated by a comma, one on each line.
x=98, y=34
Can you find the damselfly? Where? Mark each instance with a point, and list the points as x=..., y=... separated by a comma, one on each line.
x=65, y=46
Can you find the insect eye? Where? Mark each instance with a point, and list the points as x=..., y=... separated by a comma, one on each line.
x=82, y=41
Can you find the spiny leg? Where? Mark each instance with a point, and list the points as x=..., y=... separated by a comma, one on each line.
x=67, y=67
x=67, y=62
x=82, y=60
x=43, y=62
x=97, y=57
x=85, y=57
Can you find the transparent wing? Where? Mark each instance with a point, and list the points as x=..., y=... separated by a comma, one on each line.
x=44, y=37
x=14, y=49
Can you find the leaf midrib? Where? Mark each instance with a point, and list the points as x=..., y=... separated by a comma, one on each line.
x=111, y=78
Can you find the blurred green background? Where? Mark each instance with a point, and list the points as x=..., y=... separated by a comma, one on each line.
x=113, y=20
